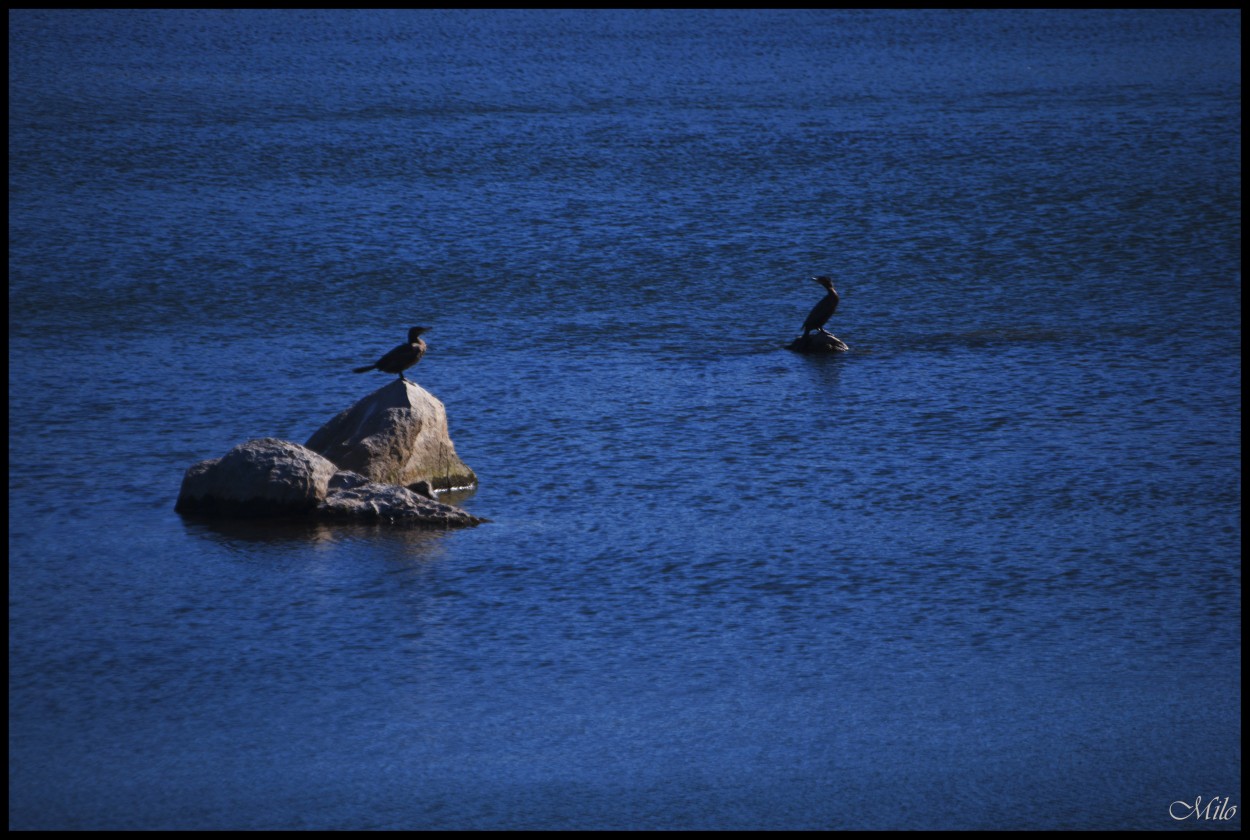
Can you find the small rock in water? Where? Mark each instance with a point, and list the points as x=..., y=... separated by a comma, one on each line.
x=818, y=342
x=263, y=477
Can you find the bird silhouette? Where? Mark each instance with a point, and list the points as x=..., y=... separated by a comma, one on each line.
x=824, y=309
x=402, y=357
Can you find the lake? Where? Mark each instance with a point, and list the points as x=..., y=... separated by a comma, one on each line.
x=982, y=571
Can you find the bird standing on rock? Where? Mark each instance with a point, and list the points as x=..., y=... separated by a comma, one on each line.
x=402, y=357
x=823, y=310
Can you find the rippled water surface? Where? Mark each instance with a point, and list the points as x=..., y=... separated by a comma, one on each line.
x=982, y=571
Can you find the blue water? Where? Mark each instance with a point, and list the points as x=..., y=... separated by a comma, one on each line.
x=981, y=572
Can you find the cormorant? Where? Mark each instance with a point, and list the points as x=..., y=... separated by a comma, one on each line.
x=402, y=357
x=823, y=310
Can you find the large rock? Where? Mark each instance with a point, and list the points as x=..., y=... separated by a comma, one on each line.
x=276, y=478
x=396, y=435
x=264, y=477
x=355, y=498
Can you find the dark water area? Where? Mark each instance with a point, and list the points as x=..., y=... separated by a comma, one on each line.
x=980, y=572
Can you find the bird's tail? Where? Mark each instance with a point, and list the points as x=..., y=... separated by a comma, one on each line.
x=363, y=369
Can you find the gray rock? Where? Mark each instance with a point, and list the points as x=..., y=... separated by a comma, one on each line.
x=818, y=342
x=396, y=435
x=422, y=488
x=346, y=480
x=354, y=498
x=264, y=477
x=272, y=478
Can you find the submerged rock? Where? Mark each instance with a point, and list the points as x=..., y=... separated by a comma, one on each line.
x=396, y=435
x=263, y=477
x=818, y=342
x=355, y=498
